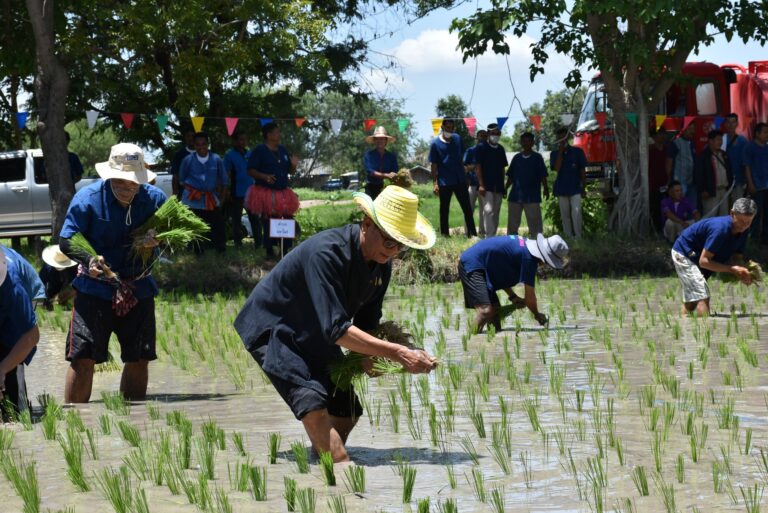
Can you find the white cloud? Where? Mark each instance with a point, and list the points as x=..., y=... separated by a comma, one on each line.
x=384, y=81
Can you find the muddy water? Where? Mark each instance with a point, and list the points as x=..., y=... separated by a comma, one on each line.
x=609, y=341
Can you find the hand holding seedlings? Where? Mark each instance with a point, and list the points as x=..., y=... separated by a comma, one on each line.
x=416, y=361
x=97, y=266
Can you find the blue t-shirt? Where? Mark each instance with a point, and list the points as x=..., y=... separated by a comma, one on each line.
x=277, y=163
x=448, y=157
x=526, y=173
x=203, y=177
x=236, y=165
x=735, y=151
x=17, y=314
x=25, y=274
x=505, y=260
x=96, y=213
x=714, y=235
x=756, y=157
x=375, y=161
x=568, y=181
x=492, y=162
x=470, y=160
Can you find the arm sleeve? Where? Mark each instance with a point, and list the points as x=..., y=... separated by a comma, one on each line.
x=369, y=315
x=434, y=156
x=504, y=155
x=76, y=221
x=183, y=170
x=253, y=160
x=528, y=276
x=32, y=282
x=20, y=317
x=324, y=274
x=367, y=164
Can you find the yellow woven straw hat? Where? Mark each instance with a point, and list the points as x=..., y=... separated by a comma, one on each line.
x=395, y=211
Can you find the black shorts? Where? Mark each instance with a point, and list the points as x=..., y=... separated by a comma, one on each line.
x=303, y=400
x=476, y=291
x=94, y=321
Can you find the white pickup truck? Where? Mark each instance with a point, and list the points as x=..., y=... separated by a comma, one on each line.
x=25, y=206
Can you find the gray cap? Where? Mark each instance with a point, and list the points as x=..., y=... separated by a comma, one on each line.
x=550, y=250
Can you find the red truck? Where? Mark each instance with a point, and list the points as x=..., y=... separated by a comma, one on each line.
x=709, y=94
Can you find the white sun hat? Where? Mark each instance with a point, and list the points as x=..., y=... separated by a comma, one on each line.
x=53, y=256
x=126, y=162
x=551, y=250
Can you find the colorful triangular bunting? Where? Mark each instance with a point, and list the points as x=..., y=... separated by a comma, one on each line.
x=336, y=125
x=436, y=123
x=471, y=124
x=299, y=121
x=566, y=119
x=402, y=124
x=231, y=124
x=91, y=116
x=264, y=121
x=162, y=122
x=535, y=120
x=500, y=122
x=368, y=124
x=197, y=123
x=21, y=119
x=660, y=120
x=127, y=118
x=631, y=117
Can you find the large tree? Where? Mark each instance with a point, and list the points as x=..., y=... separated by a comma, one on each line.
x=554, y=105
x=638, y=46
x=454, y=107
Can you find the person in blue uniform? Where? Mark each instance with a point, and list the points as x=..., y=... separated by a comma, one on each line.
x=379, y=163
x=236, y=166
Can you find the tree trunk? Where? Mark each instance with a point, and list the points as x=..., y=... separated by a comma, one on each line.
x=51, y=87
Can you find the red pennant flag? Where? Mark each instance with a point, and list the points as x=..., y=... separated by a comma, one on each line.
x=368, y=124
x=300, y=121
x=687, y=121
x=471, y=125
x=600, y=117
x=535, y=121
x=231, y=124
x=127, y=118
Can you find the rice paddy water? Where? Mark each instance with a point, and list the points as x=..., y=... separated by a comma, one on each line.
x=621, y=405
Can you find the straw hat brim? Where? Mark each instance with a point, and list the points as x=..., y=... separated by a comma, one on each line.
x=106, y=172
x=539, y=248
x=426, y=234
x=49, y=257
x=369, y=139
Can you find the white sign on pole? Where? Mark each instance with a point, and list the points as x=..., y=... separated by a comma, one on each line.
x=282, y=228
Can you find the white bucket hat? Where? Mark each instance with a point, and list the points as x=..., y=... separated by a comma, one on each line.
x=53, y=256
x=126, y=162
x=550, y=250
x=3, y=266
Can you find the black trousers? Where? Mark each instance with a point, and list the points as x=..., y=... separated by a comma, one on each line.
x=462, y=196
x=373, y=189
x=256, y=229
x=234, y=215
x=217, y=234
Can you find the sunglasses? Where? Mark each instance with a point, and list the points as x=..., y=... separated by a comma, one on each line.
x=389, y=242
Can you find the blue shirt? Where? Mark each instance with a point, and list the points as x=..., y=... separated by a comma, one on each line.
x=756, y=157
x=236, y=165
x=505, y=260
x=26, y=276
x=735, y=150
x=96, y=213
x=277, y=163
x=714, y=235
x=470, y=160
x=448, y=157
x=568, y=181
x=375, y=161
x=526, y=173
x=203, y=177
x=492, y=162
x=17, y=314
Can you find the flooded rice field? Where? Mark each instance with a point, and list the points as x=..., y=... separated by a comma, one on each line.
x=621, y=405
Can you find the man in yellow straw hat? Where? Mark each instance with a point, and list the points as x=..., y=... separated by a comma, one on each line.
x=378, y=162
x=327, y=294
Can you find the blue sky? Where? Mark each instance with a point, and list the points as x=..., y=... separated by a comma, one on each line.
x=430, y=67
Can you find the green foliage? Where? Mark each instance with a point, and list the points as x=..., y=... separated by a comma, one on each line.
x=453, y=106
x=90, y=145
x=594, y=211
x=555, y=103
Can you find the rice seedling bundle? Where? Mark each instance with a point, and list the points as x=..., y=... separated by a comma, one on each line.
x=755, y=270
x=173, y=225
x=403, y=179
x=79, y=244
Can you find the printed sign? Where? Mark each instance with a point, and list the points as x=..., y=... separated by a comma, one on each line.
x=282, y=228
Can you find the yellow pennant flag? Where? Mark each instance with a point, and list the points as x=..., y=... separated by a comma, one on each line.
x=197, y=123
x=436, y=123
x=660, y=120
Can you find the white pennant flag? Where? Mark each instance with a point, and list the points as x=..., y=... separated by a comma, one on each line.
x=566, y=119
x=336, y=125
x=91, y=116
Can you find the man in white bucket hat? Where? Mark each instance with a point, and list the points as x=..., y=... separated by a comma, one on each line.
x=57, y=274
x=379, y=163
x=106, y=213
x=19, y=334
x=500, y=263
x=325, y=295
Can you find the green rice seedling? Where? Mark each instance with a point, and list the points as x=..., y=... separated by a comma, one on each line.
x=747, y=441
x=354, y=479
x=762, y=463
x=498, y=502
x=153, y=410
x=423, y=505
x=136, y=461
x=204, y=499
x=422, y=390
x=237, y=441
x=72, y=445
x=6, y=439
x=408, y=473
x=680, y=468
x=187, y=486
x=469, y=447
x=239, y=475
x=447, y=506
x=337, y=504
x=183, y=450
x=105, y=423
x=394, y=411
x=451, y=474
x=116, y=487
x=290, y=493
x=479, y=423
x=214, y=435
x=580, y=400
x=752, y=497
x=533, y=415
x=625, y=505
x=619, y=446
x=725, y=413
x=477, y=482
x=501, y=458
x=653, y=418
x=647, y=396
x=273, y=447
x=414, y=427
x=206, y=455
x=640, y=478
x=129, y=432
x=23, y=478
x=657, y=448
x=116, y=403
x=525, y=461
x=434, y=426
x=300, y=457
x=221, y=501
x=326, y=466
x=258, y=478
x=49, y=424
x=719, y=476
x=306, y=498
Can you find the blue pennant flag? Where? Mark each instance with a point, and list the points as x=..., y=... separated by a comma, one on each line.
x=500, y=122
x=718, y=121
x=264, y=121
x=21, y=119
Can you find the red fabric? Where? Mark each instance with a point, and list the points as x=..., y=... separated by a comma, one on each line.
x=195, y=194
x=267, y=202
x=657, y=167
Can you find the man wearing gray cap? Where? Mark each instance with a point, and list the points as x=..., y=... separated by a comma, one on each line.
x=500, y=263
